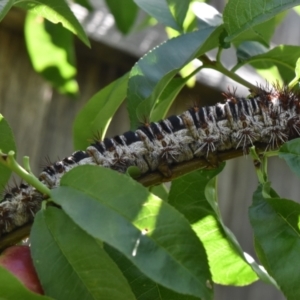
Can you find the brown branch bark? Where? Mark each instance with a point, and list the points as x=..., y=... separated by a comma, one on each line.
x=147, y=180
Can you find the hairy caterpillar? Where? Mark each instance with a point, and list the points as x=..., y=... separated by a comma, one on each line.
x=268, y=116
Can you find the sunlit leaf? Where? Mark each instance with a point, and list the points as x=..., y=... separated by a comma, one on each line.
x=168, y=12
x=178, y=9
x=206, y=14
x=212, y=198
x=284, y=57
x=297, y=73
x=187, y=195
x=160, y=191
x=297, y=9
x=116, y=209
x=51, y=51
x=56, y=11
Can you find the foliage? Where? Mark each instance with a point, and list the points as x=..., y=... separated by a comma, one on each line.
x=127, y=243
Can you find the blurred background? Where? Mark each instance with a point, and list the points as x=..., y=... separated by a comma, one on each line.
x=41, y=118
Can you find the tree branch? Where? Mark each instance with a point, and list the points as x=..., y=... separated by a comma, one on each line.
x=147, y=180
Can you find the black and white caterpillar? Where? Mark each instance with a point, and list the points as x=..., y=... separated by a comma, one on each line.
x=271, y=117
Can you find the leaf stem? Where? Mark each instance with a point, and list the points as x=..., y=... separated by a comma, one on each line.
x=218, y=57
x=25, y=173
x=260, y=165
x=195, y=72
x=271, y=153
x=293, y=82
x=218, y=66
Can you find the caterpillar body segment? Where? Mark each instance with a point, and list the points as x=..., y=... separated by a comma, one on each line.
x=270, y=116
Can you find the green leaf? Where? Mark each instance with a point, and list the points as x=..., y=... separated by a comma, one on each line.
x=261, y=33
x=148, y=231
x=13, y=289
x=295, y=80
x=96, y=115
x=268, y=191
x=7, y=143
x=143, y=287
x=290, y=152
x=297, y=69
x=56, y=11
x=5, y=6
x=160, y=191
x=251, y=48
x=85, y=3
x=247, y=50
x=167, y=98
x=283, y=57
x=51, y=51
x=151, y=74
x=70, y=263
x=297, y=9
x=243, y=15
x=207, y=15
x=168, y=12
x=124, y=12
x=133, y=172
x=178, y=9
x=261, y=255
x=211, y=196
x=275, y=223
x=187, y=195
